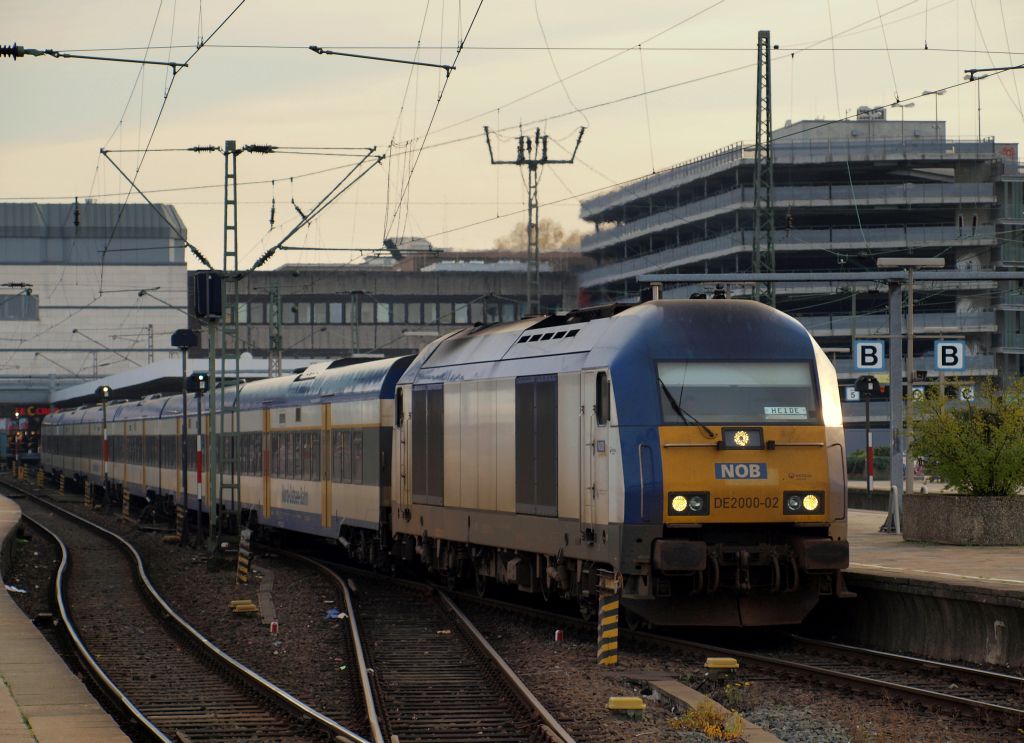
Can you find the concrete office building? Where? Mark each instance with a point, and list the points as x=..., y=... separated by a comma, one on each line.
x=390, y=308
x=846, y=193
x=70, y=308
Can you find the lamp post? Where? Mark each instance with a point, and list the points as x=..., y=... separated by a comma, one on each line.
x=896, y=403
x=903, y=117
x=17, y=449
x=184, y=340
x=935, y=93
x=104, y=394
x=200, y=385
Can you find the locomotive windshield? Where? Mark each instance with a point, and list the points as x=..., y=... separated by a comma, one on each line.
x=769, y=392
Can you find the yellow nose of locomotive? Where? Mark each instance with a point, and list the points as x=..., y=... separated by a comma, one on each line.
x=745, y=474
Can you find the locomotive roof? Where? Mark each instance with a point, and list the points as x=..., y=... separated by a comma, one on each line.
x=662, y=329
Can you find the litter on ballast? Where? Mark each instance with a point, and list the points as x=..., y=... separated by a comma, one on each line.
x=335, y=613
x=14, y=589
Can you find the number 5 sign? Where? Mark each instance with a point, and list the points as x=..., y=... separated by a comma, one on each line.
x=950, y=356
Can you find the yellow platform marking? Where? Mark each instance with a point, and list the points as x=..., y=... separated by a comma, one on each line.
x=626, y=703
x=721, y=664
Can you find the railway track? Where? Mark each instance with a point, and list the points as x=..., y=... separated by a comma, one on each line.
x=992, y=696
x=433, y=676
x=996, y=698
x=174, y=684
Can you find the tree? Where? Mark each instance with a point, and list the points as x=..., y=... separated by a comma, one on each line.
x=550, y=236
x=977, y=447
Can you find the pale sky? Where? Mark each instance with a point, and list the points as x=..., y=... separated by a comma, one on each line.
x=652, y=88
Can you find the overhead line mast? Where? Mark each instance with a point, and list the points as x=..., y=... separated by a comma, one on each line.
x=763, y=251
x=533, y=152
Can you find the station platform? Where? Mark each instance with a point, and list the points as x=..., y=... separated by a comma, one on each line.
x=881, y=554
x=41, y=700
x=948, y=602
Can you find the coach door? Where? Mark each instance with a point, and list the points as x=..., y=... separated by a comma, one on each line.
x=265, y=439
x=325, y=467
x=596, y=394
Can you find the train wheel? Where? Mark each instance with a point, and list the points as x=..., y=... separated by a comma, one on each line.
x=481, y=584
x=633, y=621
x=587, y=609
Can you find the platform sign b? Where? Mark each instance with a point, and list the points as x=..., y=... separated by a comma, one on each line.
x=950, y=355
x=868, y=356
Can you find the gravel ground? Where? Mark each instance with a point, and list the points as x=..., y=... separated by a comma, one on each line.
x=566, y=678
x=310, y=658
x=33, y=560
x=310, y=655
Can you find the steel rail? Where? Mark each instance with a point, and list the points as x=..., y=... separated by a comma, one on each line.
x=211, y=649
x=1013, y=714
x=357, y=644
x=769, y=662
x=548, y=723
x=511, y=677
x=97, y=673
x=928, y=663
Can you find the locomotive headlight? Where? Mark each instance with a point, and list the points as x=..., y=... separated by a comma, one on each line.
x=689, y=504
x=802, y=503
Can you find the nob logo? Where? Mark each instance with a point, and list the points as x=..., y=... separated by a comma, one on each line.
x=741, y=471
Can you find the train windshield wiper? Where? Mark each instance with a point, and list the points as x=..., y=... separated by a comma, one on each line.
x=682, y=413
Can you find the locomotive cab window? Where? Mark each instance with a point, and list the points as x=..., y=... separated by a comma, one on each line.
x=767, y=392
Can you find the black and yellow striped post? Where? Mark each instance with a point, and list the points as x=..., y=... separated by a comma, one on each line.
x=39, y=477
x=126, y=503
x=60, y=486
x=610, y=589
x=179, y=521
x=244, y=555
x=87, y=490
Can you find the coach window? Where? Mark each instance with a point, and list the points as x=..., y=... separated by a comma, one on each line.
x=604, y=399
x=414, y=313
x=398, y=313
x=336, y=313
x=256, y=313
x=461, y=313
x=445, y=311
x=383, y=313
x=399, y=408
x=303, y=312
x=320, y=313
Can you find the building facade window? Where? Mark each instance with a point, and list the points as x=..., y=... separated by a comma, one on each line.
x=20, y=306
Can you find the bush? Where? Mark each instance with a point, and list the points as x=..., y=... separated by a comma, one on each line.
x=976, y=446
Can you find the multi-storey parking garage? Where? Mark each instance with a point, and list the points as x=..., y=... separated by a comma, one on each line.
x=846, y=193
